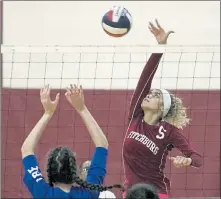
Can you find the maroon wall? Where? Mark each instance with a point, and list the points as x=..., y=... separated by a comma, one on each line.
x=22, y=109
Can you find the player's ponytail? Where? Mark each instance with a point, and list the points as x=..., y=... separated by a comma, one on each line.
x=62, y=168
x=50, y=176
x=96, y=187
x=177, y=114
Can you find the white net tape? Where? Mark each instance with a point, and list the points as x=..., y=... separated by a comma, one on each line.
x=110, y=67
x=111, y=49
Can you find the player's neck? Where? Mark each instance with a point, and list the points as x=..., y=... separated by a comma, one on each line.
x=151, y=118
x=64, y=187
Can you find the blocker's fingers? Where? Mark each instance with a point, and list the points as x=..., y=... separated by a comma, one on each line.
x=77, y=90
x=71, y=86
x=57, y=98
x=75, y=87
x=67, y=94
x=68, y=90
x=48, y=91
x=81, y=90
x=44, y=91
x=47, y=87
x=72, y=89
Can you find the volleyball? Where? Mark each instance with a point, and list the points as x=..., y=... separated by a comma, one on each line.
x=117, y=21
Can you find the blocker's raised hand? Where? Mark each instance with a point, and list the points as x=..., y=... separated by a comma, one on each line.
x=159, y=33
x=75, y=97
x=49, y=106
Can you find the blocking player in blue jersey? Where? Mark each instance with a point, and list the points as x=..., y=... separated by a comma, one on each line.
x=61, y=167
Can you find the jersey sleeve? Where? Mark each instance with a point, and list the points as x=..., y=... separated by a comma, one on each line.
x=33, y=178
x=97, y=170
x=144, y=85
x=181, y=143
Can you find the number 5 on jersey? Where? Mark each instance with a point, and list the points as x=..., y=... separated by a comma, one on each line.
x=161, y=132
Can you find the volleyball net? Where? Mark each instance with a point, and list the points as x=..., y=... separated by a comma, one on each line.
x=109, y=75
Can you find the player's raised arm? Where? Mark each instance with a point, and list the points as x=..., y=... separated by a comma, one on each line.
x=97, y=170
x=31, y=141
x=144, y=83
x=75, y=97
x=33, y=178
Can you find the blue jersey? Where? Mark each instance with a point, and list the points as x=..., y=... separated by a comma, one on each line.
x=39, y=188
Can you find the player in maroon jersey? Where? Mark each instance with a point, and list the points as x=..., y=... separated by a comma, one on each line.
x=155, y=120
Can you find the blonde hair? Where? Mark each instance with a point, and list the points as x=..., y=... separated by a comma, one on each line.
x=177, y=115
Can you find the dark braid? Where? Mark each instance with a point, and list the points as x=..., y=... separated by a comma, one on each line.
x=50, y=177
x=51, y=164
x=62, y=168
x=96, y=187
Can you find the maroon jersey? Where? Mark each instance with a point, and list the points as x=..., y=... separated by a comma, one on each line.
x=146, y=146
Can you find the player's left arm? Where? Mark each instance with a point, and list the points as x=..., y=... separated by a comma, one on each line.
x=190, y=156
x=30, y=143
x=33, y=178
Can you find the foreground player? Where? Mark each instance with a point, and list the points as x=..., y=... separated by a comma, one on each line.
x=155, y=120
x=83, y=175
x=142, y=191
x=61, y=167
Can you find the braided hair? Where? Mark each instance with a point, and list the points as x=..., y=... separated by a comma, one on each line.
x=61, y=168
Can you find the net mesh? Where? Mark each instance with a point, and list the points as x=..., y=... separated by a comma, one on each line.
x=109, y=75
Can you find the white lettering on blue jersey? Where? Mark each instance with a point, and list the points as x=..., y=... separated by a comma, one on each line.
x=35, y=173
